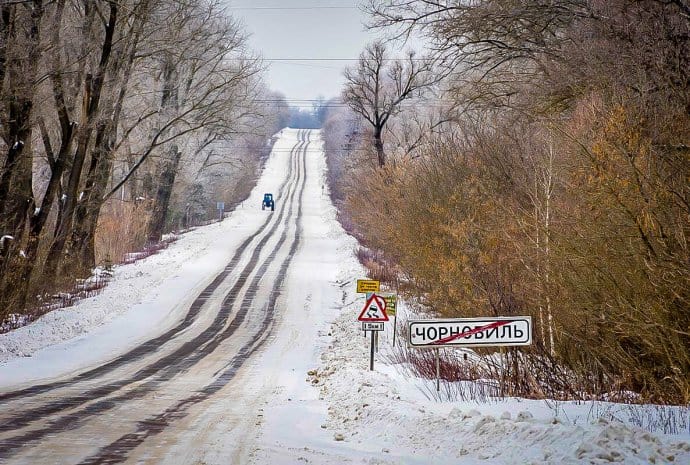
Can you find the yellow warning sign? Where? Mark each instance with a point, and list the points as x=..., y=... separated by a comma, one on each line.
x=367, y=285
x=391, y=300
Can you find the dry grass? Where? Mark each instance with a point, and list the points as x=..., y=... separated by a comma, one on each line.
x=121, y=229
x=379, y=268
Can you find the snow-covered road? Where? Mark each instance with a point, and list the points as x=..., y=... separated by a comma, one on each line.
x=239, y=344
x=133, y=395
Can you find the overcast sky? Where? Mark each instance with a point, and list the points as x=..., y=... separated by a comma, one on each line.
x=325, y=34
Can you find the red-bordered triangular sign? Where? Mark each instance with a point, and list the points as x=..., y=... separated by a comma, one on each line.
x=374, y=309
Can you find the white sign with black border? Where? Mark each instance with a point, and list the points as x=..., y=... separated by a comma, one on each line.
x=372, y=325
x=498, y=331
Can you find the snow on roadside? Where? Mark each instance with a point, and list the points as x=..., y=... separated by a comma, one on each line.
x=336, y=411
x=384, y=410
x=140, y=296
x=383, y=416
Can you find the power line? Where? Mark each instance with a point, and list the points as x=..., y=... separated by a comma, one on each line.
x=340, y=59
x=310, y=59
x=327, y=101
x=294, y=8
x=307, y=65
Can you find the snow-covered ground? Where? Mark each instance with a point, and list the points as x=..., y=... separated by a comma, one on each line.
x=308, y=396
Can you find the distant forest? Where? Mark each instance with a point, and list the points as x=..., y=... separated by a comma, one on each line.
x=308, y=118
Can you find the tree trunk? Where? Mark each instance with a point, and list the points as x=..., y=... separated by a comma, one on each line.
x=91, y=102
x=162, y=200
x=38, y=219
x=13, y=266
x=15, y=183
x=5, y=24
x=16, y=191
x=20, y=73
x=82, y=241
x=378, y=144
x=64, y=227
x=88, y=211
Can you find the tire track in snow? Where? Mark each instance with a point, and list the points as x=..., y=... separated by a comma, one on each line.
x=151, y=345
x=117, y=451
x=164, y=369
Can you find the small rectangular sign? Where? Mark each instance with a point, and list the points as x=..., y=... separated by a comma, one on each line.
x=372, y=326
x=500, y=331
x=220, y=205
x=367, y=285
x=391, y=301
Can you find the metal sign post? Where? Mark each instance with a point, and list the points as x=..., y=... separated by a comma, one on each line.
x=221, y=208
x=374, y=327
x=395, y=328
x=438, y=371
x=395, y=318
x=373, y=316
x=371, y=358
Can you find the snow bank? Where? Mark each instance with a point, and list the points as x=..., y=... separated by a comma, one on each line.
x=384, y=411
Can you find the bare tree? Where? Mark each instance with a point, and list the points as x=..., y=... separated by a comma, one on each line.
x=492, y=49
x=85, y=83
x=20, y=50
x=419, y=124
x=21, y=26
x=377, y=86
x=91, y=75
x=205, y=88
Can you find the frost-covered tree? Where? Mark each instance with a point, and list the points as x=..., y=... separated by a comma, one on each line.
x=377, y=86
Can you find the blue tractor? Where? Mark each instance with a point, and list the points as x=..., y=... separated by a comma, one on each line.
x=268, y=202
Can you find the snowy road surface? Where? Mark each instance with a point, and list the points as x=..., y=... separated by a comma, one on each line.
x=238, y=344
